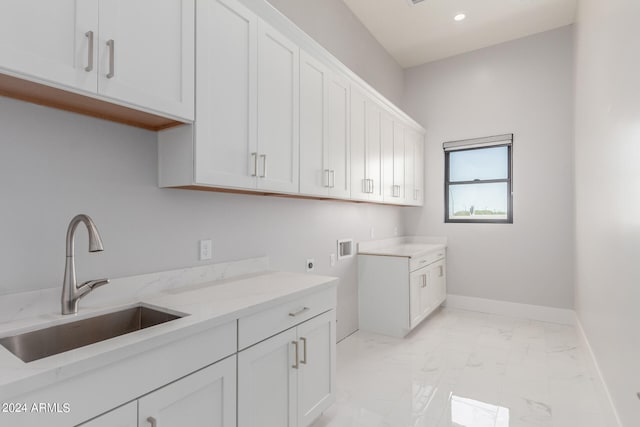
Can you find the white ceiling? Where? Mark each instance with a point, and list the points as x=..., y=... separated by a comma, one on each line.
x=427, y=32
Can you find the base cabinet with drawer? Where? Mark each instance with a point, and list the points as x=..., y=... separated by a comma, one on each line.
x=396, y=293
x=288, y=380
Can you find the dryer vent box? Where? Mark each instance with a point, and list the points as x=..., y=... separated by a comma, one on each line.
x=345, y=248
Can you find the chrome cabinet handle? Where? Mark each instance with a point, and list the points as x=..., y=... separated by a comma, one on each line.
x=112, y=48
x=333, y=178
x=415, y=194
x=296, y=364
x=372, y=186
x=255, y=164
x=424, y=280
x=264, y=165
x=304, y=350
x=396, y=193
x=326, y=177
x=295, y=313
x=89, y=67
x=441, y=271
x=152, y=421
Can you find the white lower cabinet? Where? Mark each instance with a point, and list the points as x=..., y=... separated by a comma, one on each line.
x=396, y=293
x=289, y=379
x=205, y=398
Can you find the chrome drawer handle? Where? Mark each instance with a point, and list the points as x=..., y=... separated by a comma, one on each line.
x=254, y=156
x=296, y=364
x=304, y=350
x=89, y=35
x=112, y=48
x=295, y=313
x=152, y=421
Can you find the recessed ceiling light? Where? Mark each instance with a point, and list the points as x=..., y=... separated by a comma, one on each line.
x=460, y=17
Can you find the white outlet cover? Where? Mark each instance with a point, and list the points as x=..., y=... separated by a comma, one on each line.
x=206, y=249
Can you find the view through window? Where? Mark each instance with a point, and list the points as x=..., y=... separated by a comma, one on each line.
x=478, y=180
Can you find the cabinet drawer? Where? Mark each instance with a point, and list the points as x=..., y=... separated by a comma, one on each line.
x=424, y=260
x=257, y=327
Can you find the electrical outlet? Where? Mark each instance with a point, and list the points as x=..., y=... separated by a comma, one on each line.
x=206, y=249
x=332, y=260
x=310, y=265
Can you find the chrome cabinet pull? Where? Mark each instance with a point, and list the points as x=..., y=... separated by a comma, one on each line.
x=89, y=67
x=264, y=165
x=424, y=280
x=255, y=164
x=304, y=350
x=326, y=177
x=296, y=364
x=296, y=313
x=333, y=178
x=415, y=194
x=152, y=421
x=396, y=193
x=112, y=48
x=441, y=271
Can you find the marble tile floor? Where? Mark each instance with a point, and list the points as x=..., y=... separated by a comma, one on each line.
x=462, y=368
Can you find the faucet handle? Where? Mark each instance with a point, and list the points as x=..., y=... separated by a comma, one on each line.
x=92, y=284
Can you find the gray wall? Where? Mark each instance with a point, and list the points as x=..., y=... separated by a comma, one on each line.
x=332, y=24
x=56, y=164
x=607, y=150
x=522, y=87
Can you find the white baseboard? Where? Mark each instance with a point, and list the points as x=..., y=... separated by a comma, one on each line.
x=504, y=308
x=612, y=417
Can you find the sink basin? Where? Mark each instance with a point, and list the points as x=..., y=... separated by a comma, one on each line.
x=42, y=343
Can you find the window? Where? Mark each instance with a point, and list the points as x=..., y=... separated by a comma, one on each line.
x=478, y=180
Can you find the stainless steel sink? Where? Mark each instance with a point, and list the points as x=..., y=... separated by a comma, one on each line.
x=42, y=343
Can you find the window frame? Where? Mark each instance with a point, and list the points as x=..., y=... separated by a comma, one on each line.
x=479, y=144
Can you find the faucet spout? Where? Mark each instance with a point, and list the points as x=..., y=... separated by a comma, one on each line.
x=71, y=291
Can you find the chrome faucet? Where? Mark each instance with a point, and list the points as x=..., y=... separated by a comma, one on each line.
x=71, y=291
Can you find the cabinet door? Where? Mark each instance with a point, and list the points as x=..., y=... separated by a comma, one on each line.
x=399, y=185
x=278, y=108
x=386, y=140
x=204, y=398
x=417, y=283
x=338, y=136
x=358, y=108
x=124, y=416
x=415, y=167
x=150, y=62
x=316, y=376
x=438, y=281
x=409, y=168
x=50, y=41
x=314, y=169
x=225, y=133
x=374, y=151
x=267, y=395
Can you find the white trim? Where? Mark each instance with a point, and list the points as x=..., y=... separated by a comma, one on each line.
x=542, y=313
x=612, y=416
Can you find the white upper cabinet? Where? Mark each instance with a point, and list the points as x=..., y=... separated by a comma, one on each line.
x=137, y=53
x=146, y=54
x=50, y=41
x=338, y=137
x=278, y=109
x=324, y=130
x=315, y=173
x=226, y=78
x=394, y=160
x=414, y=167
x=366, y=148
x=277, y=114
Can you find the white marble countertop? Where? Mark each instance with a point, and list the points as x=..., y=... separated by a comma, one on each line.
x=207, y=304
x=408, y=246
